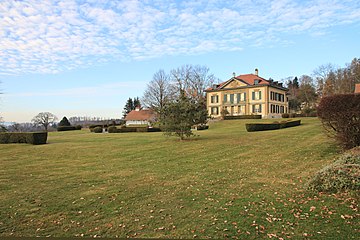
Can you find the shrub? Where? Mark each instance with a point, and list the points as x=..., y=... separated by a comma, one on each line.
x=242, y=117
x=34, y=138
x=112, y=129
x=141, y=129
x=285, y=115
x=64, y=122
x=154, y=129
x=98, y=130
x=253, y=127
x=78, y=127
x=340, y=116
x=66, y=128
x=340, y=176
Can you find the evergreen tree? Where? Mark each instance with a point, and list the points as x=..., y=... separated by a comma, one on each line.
x=130, y=105
x=179, y=116
x=64, y=122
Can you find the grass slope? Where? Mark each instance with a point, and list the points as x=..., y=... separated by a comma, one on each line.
x=226, y=183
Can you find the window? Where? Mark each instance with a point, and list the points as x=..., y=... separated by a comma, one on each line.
x=256, y=108
x=214, y=111
x=231, y=98
x=214, y=99
x=225, y=98
x=238, y=95
x=256, y=95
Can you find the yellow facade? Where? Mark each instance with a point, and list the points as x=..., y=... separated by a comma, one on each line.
x=239, y=98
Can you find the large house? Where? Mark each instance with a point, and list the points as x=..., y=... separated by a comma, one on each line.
x=247, y=94
x=140, y=117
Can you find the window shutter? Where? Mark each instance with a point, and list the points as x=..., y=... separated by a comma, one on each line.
x=225, y=98
x=217, y=98
x=253, y=95
x=253, y=108
x=238, y=97
x=244, y=96
x=260, y=96
x=260, y=108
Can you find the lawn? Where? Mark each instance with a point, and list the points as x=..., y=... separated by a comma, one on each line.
x=226, y=183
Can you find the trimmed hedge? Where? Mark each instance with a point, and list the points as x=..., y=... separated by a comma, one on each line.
x=34, y=138
x=242, y=117
x=340, y=116
x=132, y=129
x=98, y=130
x=66, y=128
x=253, y=127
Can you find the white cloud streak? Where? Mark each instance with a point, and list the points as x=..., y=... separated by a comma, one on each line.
x=55, y=36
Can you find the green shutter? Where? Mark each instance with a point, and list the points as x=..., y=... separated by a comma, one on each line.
x=225, y=98
x=253, y=95
x=260, y=108
x=259, y=95
x=244, y=96
x=238, y=97
x=253, y=108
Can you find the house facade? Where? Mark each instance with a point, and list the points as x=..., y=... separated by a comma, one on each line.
x=357, y=88
x=140, y=117
x=247, y=94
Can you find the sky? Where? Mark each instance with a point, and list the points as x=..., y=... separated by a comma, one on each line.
x=86, y=58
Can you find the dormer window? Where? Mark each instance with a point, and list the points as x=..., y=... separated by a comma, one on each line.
x=256, y=81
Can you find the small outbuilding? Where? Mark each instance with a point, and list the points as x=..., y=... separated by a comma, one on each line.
x=140, y=117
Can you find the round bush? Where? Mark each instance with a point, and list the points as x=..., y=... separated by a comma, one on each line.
x=112, y=129
x=98, y=130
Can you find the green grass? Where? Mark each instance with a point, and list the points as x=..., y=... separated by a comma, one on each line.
x=225, y=183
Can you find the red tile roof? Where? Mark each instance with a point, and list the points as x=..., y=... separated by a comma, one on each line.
x=250, y=79
x=357, y=88
x=246, y=78
x=140, y=115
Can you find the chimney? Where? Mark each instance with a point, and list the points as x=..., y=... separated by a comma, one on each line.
x=256, y=72
x=234, y=74
x=137, y=108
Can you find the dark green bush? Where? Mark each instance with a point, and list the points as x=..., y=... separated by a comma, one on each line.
x=342, y=175
x=78, y=127
x=66, y=128
x=127, y=129
x=98, y=129
x=293, y=123
x=154, y=129
x=34, y=138
x=141, y=129
x=242, y=117
x=64, y=122
x=285, y=115
x=253, y=127
x=112, y=129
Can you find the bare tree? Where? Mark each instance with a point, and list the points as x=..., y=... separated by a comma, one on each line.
x=44, y=119
x=158, y=92
x=192, y=80
x=321, y=75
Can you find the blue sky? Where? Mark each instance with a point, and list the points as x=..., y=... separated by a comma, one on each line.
x=85, y=58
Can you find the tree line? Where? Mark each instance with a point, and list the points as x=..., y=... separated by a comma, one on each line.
x=326, y=80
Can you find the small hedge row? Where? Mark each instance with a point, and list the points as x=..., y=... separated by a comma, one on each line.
x=34, y=138
x=68, y=128
x=242, y=117
x=113, y=129
x=253, y=127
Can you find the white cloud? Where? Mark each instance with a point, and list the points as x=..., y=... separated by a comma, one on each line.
x=53, y=36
